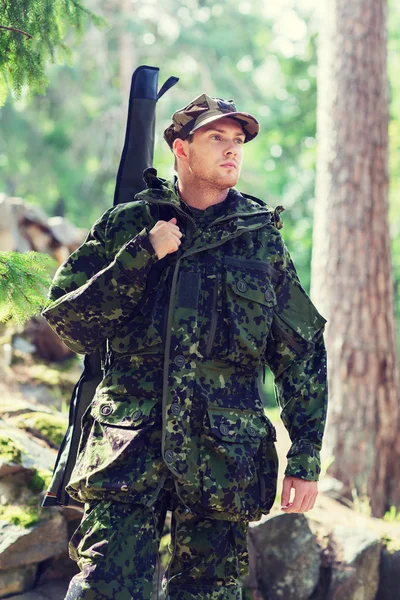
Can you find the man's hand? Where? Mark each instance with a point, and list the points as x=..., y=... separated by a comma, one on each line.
x=304, y=496
x=165, y=237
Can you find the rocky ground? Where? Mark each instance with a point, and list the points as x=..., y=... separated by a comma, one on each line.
x=334, y=552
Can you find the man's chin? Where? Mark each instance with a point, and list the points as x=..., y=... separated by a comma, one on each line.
x=227, y=181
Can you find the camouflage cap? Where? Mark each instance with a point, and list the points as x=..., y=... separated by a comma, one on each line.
x=204, y=110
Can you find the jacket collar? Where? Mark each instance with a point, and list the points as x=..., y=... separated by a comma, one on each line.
x=240, y=206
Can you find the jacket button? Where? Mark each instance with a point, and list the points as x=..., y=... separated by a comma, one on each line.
x=251, y=431
x=175, y=409
x=106, y=410
x=268, y=295
x=241, y=285
x=179, y=360
x=169, y=456
x=136, y=415
x=224, y=429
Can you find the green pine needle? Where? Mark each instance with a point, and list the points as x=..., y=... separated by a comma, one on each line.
x=24, y=281
x=32, y=33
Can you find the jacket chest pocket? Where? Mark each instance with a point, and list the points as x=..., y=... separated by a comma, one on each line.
x=245, y=319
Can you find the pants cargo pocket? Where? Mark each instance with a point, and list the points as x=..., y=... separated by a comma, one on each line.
x=90, y=540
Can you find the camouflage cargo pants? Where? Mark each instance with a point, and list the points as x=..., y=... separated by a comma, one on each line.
x=116, y=548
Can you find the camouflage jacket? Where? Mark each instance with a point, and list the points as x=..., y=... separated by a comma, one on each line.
x=179, y=393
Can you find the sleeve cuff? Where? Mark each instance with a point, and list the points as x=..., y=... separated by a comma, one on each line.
x=137, y=256
x=303, y=461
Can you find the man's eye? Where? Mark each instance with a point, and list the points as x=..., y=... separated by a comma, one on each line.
x=239, y=141
x=215, y=137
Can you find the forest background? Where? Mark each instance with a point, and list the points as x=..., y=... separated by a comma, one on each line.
x=61, y=151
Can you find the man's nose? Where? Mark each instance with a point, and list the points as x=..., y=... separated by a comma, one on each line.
x=231, y=148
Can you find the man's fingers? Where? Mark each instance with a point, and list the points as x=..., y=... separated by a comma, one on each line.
x=302, y=503
x=174, y=228
x=305, y=504
x=297, y=502
x=287, y=486
x=309, y=505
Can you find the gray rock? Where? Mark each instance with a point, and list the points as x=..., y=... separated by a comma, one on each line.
x=355, y=572
x=331, y=487
x=35, y=454
x=8, y=468
x=14, y=581
x=22, y=345
x=16, y=407
x=287, y=557
x=64, y=232
x=389, y=576
x=54, y=590
x=39, y=393
x=22, y=546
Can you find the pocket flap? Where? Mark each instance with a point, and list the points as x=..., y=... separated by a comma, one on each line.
x=259, y=289
x=233, y=425
x=128, y=412
x=297, y=315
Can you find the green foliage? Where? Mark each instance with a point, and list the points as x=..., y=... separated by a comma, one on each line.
x=50, y=427
x=67, y=145
x=24, y=516
x=24, y=280
x=10, y=451
x=40, y=481
x=32, y=32
x=392, y=515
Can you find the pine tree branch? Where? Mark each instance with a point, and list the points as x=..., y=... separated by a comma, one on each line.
x=17, y=31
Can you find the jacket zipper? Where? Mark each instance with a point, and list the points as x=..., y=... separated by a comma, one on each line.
x=172, y=294
x=216, y=307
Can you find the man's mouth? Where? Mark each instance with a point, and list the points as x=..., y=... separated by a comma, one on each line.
x=229, y=165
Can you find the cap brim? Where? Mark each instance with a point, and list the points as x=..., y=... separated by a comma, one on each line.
x=249, y=123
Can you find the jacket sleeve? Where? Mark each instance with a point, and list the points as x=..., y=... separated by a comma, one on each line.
x=296, y=355
x=91, y=297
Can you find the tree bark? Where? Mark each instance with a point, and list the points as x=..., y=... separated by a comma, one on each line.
x=352, y=282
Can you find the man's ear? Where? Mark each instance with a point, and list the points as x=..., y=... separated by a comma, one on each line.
x=179, y=149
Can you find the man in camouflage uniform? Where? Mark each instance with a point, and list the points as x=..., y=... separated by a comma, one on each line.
x=193, y=290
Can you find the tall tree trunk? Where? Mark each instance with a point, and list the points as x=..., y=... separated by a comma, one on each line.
x=352, y=271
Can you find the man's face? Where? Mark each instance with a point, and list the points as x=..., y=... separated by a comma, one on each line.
x=215, y=155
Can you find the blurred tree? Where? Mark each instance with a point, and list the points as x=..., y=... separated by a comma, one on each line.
x=352, y=271
x=31, y=32
x=68, y=144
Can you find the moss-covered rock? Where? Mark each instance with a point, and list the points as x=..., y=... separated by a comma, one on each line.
x=40, y=481
x=49, y=427
x=10, y=450
x=24, y=516
x=61, y=376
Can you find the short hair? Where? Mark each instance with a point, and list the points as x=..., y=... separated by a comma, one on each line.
x=189, y=138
